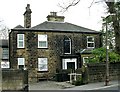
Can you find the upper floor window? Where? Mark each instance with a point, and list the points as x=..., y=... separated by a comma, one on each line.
x=5, y=54
x=90, y=42
x=21, y=63
x=42, y=41
x=20, y=40
x=67, y=46
x=42, y=64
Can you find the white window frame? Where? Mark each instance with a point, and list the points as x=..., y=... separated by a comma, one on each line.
x=18, y=40
x=65, y=61
x=21, y=63
x=93, y=42
x=42, y=37
x=70, y=45
x=45, y=62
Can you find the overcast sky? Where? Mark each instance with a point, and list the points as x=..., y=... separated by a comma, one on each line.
x=11, y=12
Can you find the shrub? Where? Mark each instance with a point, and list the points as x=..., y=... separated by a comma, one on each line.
x=78, y=82
x=99, y=55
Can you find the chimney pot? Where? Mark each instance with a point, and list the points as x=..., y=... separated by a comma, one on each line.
x=27, y=17
x=53, y=17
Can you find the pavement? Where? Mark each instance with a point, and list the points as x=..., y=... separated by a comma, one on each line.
x=52, y=85
x=97, y=86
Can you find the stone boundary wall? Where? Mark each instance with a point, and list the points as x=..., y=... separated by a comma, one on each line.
x=97, y=71
x=14, y=79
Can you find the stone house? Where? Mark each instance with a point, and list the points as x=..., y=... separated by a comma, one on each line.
x=51, y=46
x=4, y=54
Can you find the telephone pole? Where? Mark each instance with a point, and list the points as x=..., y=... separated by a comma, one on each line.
x=107, y=58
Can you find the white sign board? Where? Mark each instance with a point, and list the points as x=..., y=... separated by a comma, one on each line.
x=5, y=64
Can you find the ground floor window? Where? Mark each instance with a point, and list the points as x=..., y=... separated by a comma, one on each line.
x=21, y=63
x=42, y=64
x=85, y=60
x=69, y=63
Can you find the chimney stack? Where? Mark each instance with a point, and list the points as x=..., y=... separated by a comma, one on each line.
x=53, y=17
x=27, y=17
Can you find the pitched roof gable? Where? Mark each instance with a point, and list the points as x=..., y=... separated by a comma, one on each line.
x=19, y=26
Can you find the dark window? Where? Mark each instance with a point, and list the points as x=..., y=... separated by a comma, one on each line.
x=71, y=65
x=67, y=46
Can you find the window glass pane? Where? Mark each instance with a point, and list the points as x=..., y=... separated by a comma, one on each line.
x=42, y=64
x=20, y=37
x=42, y=41
x=42, y=37
x=20, y=43
x=90, y=39
x=21, y=61
x=43, y=67
x=42, y=44
x=90, y=44
x=67, y=46
x=5, y=53
x=20, y=40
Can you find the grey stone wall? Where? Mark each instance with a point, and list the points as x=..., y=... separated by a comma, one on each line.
x=14, y=80
x=97, y=72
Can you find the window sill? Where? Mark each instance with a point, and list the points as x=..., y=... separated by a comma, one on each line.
x=42, y=47
x=90, y=47
x=67, y=53
x=20, y=48
x=42, y=71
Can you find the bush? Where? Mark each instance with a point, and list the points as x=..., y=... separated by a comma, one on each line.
x=78, y=82
x=99, y=55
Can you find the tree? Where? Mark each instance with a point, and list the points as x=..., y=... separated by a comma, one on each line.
x=99, y=55
x=111, y=34
x=113, y=7
x=4, y=31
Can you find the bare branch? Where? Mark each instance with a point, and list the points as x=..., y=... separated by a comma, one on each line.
x=91, y=4
x=66, y=7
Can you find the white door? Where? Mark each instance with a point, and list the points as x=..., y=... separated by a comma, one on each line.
x=69, y=63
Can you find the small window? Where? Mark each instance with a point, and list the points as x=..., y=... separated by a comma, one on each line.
x=67, y=46
x=21, y=63
x=42, y=64
x=20, y=40
x=85, y=60
x=42, y=41
x=90, y=42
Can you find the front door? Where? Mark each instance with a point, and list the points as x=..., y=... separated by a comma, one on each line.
x=69, y=63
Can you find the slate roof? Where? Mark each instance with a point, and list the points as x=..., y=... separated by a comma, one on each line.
x=85, y=51
x=3, y=43
x=18, y=26
x=62, y=26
